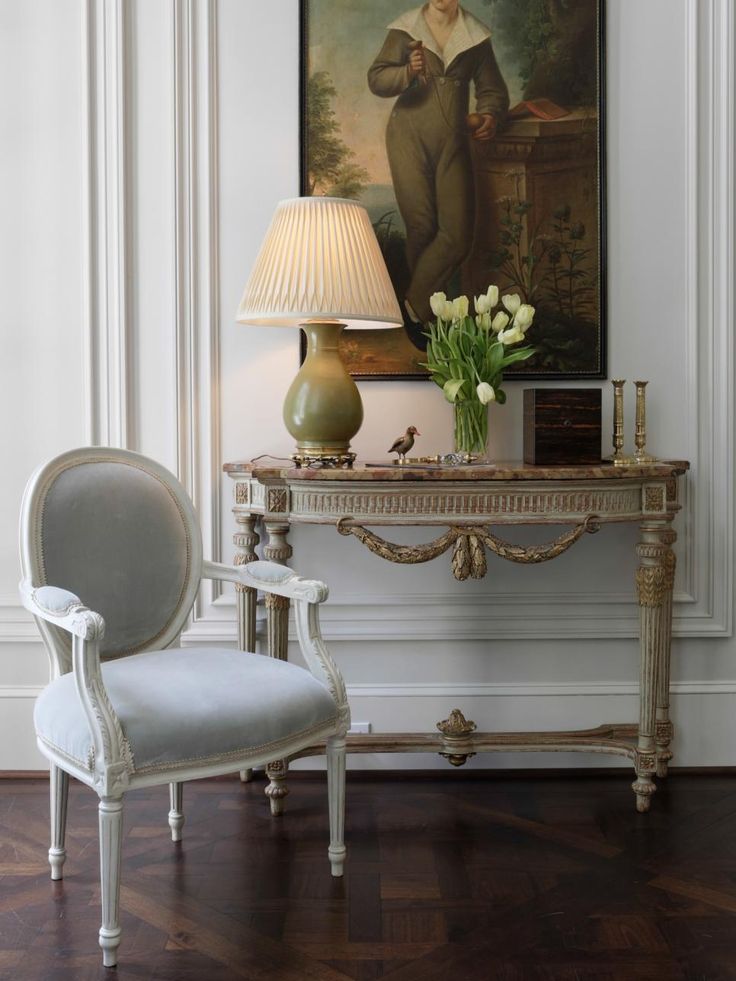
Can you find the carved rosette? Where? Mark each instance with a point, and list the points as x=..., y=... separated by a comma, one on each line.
x=645, y=763
x=277, y=500
x=654, y=499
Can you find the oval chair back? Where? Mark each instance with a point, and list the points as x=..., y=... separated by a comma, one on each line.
x=120, y=532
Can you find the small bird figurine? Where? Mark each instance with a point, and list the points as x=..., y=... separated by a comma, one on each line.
x=404, y=443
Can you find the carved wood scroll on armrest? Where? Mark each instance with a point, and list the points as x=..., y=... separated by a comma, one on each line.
x=469, y=559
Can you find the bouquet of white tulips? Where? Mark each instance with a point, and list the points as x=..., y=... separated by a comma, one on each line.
x=466, y=356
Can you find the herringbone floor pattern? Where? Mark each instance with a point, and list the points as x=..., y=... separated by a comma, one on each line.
x=449, y=878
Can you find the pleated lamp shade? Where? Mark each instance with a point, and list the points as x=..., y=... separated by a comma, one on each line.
x=320, y=261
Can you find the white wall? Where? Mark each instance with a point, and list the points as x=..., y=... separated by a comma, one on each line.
x=144, y=148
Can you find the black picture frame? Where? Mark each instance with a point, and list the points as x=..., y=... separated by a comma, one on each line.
x=571, y=345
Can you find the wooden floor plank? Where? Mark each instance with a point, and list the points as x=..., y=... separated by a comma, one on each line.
x=551, y=878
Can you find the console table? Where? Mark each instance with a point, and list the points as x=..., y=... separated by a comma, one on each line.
x=468, y=501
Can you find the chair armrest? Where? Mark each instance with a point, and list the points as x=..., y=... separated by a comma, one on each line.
x=59, y=607
x=307, y=594
x=62, y=609
x=271, y=578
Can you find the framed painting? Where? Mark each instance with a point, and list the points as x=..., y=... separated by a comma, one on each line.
x=472, y=132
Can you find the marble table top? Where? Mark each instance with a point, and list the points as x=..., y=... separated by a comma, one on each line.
x=272, y=469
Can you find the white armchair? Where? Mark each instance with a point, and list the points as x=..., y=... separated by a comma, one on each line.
x=111, y=554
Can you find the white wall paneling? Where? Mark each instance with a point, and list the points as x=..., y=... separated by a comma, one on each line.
x=43, y=369
x=711, y=306
x=196, y=279
x=702, y=42
x=189, y=137
x=104, y=220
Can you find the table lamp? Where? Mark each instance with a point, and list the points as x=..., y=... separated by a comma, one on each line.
x=320, y=268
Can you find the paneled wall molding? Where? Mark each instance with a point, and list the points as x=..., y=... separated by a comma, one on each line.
x=711, y=298
x=131, y=49
x=16, y=625
x=452, y=690
x=196, y=338
x=434, y=617
x=705, y=525
x=532, y=690
x=105, y=221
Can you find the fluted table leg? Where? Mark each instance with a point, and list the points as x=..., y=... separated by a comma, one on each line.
x=278, y=550
x=245, y=540
x=663, y=725
x=653, y=582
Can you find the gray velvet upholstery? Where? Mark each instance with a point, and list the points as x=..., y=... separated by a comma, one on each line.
x=113, y=533
x=271, y=573
x=190, y=706
x=56, y=601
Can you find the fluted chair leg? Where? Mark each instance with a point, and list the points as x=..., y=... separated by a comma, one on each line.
x=336, y=799
x=110, y=812
x=59, y=793
x=176, y=814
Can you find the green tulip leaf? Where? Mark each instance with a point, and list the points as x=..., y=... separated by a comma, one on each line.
x=452, y=388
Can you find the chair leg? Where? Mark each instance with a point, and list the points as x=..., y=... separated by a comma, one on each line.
x=176, y=815
x=336, y=801
x=110, y=812
x=59, y=792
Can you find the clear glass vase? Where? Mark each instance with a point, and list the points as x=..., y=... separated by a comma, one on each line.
x=471, y=427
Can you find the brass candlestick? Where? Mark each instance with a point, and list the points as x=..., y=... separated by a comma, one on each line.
x=618, y=459
x=640, y=434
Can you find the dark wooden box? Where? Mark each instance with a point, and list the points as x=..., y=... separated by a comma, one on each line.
x=562, y=426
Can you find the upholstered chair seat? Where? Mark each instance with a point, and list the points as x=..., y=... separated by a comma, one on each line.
x=111, y=556
x=190, y=707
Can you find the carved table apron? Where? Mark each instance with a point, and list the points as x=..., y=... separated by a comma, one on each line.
x=467, y=502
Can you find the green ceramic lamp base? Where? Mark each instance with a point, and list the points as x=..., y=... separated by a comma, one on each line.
x=323, y=409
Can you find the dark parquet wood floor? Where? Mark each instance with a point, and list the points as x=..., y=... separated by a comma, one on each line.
x=453, y=877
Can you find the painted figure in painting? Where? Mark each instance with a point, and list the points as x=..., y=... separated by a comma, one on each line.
x=429, y=58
